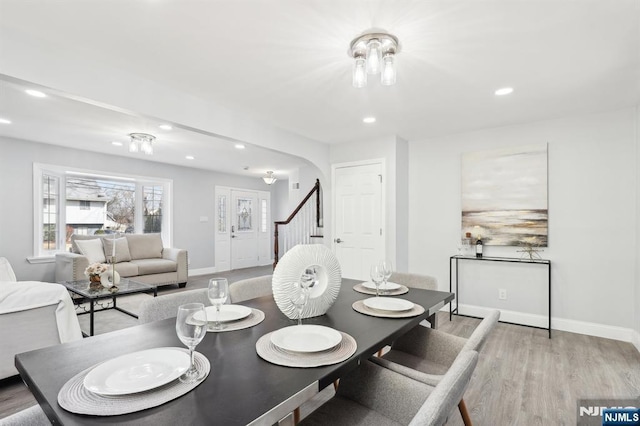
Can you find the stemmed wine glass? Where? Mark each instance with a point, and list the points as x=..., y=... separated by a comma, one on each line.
x=191, y=326
x=299, y=296
x=377, y=276
x=218, y=293
x=387, y=270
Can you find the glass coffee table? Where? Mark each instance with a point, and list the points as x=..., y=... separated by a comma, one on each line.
x=82, y=292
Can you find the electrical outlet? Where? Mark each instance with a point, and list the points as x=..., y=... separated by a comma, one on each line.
x=502, y=294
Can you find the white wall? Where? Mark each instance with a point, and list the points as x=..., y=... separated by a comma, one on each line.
x=593, y=221
x=193, y=197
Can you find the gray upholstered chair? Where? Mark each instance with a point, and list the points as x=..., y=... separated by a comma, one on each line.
x=32, y=416
x=250, y=288
x=162, y=307
x=423, y=282
x=374, y=395
x=432, y=352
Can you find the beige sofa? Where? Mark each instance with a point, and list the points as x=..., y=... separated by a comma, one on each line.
x=138, y=256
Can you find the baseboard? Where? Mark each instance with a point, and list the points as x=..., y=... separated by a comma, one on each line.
x=202, y=271
x=562, y=324
x=635, y=340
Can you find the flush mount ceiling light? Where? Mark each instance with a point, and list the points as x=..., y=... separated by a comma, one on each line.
x=269, y=179
x=141, y=142
x=373, y=53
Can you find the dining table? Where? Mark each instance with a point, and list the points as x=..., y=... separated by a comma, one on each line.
x=241, y=388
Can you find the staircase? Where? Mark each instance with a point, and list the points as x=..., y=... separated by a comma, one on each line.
x=303, y=226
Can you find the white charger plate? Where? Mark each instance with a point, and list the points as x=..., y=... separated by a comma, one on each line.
x=392, y=304
x=388, y=286
x=227, y=313
x=137, y=372
x=306, y=338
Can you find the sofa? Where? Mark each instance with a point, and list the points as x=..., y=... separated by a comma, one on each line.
x=33, y=315
x=141, y=257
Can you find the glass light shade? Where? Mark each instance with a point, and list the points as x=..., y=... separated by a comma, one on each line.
x=147, y=147
x=269, y=179
x=388, y=75
x=359, y=73
x=133, y=146
x=374, y=56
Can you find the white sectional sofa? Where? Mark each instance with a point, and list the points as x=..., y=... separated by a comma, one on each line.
x=138, y=256
x=33, y=315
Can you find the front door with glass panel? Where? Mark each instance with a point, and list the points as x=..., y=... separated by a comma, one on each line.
x=244, y=229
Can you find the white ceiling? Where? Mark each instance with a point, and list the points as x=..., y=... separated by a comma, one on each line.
x=285, y=62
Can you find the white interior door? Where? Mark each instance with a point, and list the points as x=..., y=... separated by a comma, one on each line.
x=358, y=238
x=244, y=229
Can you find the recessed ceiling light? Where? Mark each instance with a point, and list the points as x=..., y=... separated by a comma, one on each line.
x=116, y=143
x=369, y=120
x=239, y=146
x=5, y=121
x=190, y=157
x=36, y=93
x=166, y=126
x=504, y=91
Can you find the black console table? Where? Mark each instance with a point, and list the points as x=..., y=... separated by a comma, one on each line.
x=457, y=258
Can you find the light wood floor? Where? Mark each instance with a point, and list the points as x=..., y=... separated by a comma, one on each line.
x=522, y=377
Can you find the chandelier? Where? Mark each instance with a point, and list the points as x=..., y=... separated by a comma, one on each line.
x=269, y=179
x=141, y=142
x=373, y=53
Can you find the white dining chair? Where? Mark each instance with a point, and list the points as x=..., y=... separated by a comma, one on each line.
x=32, y=416
x=166, y=306
x=374, y=395
x=250, y=288
x=432, y=353
x=423, y=282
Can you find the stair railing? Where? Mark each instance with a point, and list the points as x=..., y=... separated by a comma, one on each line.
x=302, y=226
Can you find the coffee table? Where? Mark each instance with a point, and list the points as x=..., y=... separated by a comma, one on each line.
x=81, y=292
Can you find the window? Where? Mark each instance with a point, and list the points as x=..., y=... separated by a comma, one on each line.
x=96, y=204
x=263, y=215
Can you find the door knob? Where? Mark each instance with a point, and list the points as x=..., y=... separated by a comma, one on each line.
x=337, y=240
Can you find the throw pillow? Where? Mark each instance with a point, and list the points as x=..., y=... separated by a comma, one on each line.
x=92, y=250
x=122, y=249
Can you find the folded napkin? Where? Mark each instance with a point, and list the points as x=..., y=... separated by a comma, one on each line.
x=25, y=295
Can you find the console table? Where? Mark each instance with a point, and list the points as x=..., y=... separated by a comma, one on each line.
x=457, y=258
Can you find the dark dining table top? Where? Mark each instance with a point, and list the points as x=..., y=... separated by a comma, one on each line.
x=241, y=388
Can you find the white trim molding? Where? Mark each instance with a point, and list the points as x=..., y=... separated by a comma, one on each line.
x=202, y=271
x=635, y=339
x=557, y=324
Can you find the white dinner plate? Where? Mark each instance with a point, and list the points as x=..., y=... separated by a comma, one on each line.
x=137, y=372
x=392, y=304
x=306, y=338
x=388, y=286
x=227, y=313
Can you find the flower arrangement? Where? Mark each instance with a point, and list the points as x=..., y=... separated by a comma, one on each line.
x=94, y=270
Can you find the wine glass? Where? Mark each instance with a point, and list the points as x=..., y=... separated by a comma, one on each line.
x=377, y=276
x=191, y=326
x=218, y=293
x=299, y=296
x=387, y=270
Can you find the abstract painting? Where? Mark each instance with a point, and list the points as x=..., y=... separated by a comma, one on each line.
x=504, y=196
